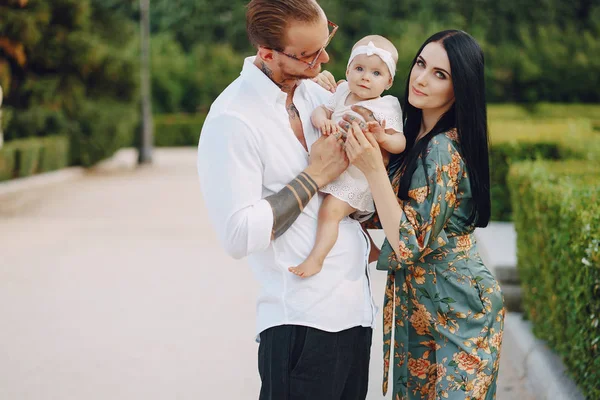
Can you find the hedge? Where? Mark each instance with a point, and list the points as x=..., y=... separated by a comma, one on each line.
x=529, y=139
x=29, y=153
x=25, y=157
x=96, y=128
x=100, y=129
x=55, y=153
x=177, y=129
x=7, y=162
x=557, y=218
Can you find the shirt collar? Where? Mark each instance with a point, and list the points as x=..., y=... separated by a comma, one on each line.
x=265, y=87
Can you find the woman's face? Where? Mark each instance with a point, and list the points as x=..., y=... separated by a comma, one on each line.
x=431, y=80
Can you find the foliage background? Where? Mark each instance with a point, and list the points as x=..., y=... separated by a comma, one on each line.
x=61, y=59
x=546, y=50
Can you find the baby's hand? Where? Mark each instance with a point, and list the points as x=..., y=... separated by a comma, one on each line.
x=327, y=81
x=328, y=127
x=378, y=130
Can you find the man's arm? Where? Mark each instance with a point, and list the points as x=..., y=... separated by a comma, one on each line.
x=231, y=178
x=289, y=202
x=327, y=161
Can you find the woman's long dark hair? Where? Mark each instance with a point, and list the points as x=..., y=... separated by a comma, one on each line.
x=467, y=114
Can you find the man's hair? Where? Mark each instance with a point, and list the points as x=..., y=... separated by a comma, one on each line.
x=267, y=20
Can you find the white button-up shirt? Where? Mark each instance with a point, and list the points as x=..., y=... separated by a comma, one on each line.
x=248, y=151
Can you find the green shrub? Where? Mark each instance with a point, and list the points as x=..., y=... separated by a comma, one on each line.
x=28, y=156
x=55, y=153
x=557, y=218
x=177, y=129
x=211, y=69
x=36, y=121
x=102, y=127
x=24, y=157
x=515, y=140
x=7, y=162
x=170, y=73
x=6, y=114
x=96, y=129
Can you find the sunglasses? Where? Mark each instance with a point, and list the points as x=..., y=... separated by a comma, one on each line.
x=333, y=27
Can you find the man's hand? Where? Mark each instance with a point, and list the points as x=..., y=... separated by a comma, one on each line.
x=327, y=159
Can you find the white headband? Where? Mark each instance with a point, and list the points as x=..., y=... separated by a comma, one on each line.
x=371, y=49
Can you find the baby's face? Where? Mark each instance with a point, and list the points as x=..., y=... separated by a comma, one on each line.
x=368, y=76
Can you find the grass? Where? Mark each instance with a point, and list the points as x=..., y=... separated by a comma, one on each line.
x=576, y=126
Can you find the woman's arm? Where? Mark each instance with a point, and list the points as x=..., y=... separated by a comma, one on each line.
x=386, y=202
x=364, y=152
x=415, y=228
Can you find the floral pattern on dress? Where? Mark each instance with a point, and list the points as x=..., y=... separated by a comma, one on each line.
x=443, y=306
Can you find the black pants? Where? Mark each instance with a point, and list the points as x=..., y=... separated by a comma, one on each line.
x=301, y=363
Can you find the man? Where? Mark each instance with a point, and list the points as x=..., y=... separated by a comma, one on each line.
x=260, y=187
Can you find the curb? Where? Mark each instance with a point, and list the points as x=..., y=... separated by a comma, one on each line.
x=122, y=159
x=37, y=181
x=542, y=371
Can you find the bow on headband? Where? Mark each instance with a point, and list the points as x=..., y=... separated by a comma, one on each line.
x=370, y=50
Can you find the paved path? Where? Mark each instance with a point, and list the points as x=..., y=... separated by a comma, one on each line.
x=113, y=287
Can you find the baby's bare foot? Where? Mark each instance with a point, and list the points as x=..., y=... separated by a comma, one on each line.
x=307, y=268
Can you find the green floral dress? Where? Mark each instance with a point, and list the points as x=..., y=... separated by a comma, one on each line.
x=442, y=304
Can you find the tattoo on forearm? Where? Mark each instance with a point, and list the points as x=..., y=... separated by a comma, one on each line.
x=289, y=202
x=293, y=111
x=309, y=181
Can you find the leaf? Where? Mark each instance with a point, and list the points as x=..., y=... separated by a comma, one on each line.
x=14, y=49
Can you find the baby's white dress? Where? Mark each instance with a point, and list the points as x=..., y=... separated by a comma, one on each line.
x=352, y=186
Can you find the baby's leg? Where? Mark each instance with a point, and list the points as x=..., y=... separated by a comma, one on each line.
x=332, y=211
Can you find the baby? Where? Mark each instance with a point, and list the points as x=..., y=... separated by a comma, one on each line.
x=371, y=69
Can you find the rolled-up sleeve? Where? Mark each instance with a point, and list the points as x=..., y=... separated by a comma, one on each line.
x=231, y=179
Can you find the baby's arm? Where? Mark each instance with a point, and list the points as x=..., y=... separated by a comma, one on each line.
x=321, y=119
x=393, y=141
x=319, y=115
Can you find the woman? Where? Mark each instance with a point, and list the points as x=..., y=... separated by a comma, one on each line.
x=445, y=307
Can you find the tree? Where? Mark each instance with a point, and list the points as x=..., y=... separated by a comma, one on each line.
x=72, y=69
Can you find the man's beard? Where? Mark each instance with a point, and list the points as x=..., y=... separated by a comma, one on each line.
x=309, y=73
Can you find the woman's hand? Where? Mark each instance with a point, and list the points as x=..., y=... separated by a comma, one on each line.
x=361, y=145
x=327, y=81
